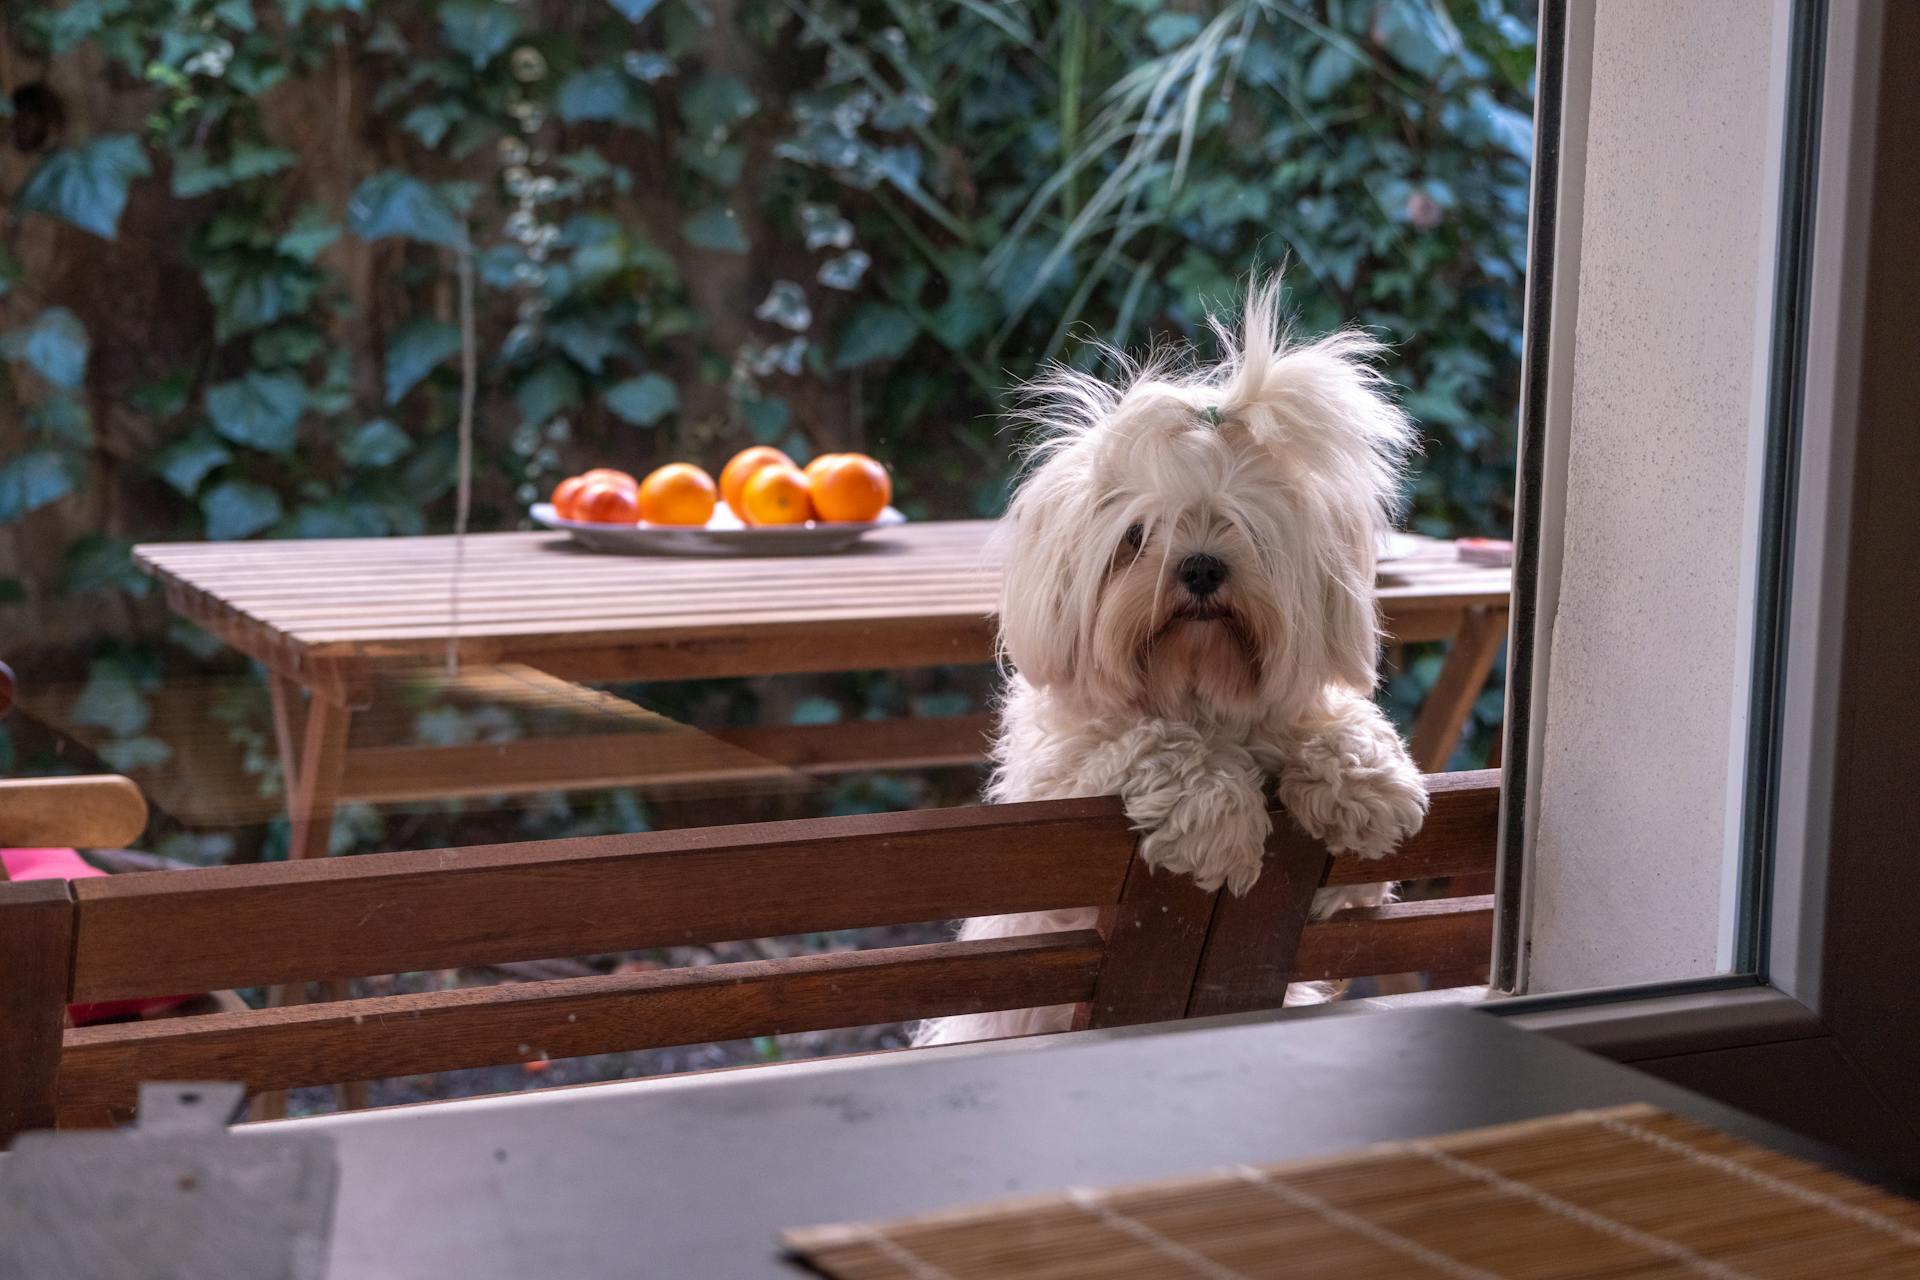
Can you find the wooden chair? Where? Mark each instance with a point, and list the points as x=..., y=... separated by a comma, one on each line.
x=82, y=812
x=1163, y=948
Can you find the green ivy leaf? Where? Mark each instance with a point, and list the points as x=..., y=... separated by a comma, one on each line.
x=715, y=227
x=595, y=93
x=308, y=234
x=477, y=28
x=599, y=245
x=418, y=347
x=32, y=480
x=1329, y=71
x=94, y=562
x=54, y=345
x=719, y=165
x=634, y=10
x=714, y=104
x=189, y=460
x=430, y=122
x=288, y=347
x=766, y=418
x=340, y=518
x=875, y=331
x=112, y=700
x=1169, y=29
x=644, y=400
x=377, y=443
x=588, y=340
x=130, y=755
x=86, y=185
x=261, y=410
x=248, y=294
x=62, y=418
x=195, y=173
x=163, y=398
x=239, y=509
x=1416, y=34
x=398, y=204
x=550, y=388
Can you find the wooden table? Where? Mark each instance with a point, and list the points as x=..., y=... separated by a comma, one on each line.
x=696, y=1175
x=328, y=617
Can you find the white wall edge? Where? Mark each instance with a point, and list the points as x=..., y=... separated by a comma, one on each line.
x=1733, y=848
x=1563, y=313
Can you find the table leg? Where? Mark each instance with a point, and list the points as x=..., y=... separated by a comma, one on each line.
x=1436, y=732
x=313, y=755
x=1464, y=674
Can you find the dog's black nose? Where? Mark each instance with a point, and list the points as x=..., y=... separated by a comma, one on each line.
x=1202, y=574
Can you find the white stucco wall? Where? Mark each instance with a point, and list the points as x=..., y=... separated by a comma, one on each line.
x=1646, y=675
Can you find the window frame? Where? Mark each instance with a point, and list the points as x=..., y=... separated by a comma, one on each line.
x=1785, y=946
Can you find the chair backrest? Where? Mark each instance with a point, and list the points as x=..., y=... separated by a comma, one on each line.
x=92, y=812
x=1163, y=949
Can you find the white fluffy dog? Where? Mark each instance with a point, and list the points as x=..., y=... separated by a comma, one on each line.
x=1189, y=611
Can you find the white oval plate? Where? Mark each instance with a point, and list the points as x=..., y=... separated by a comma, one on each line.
x=1398, y=546
x=724, y=535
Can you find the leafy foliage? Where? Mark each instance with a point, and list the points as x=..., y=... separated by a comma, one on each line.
x=816, y=223
x=87, y=185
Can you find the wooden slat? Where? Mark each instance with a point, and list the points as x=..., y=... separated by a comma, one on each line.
x=476, y=1026
x=390, y=913
x=386, y=913
x=1154, y=937
x=92, y=812
x=667, y=758
x=663, y=756
x=857, y=746
x=760, y=648
x=1442, y=934
x=932, y=586
x=1249, y=954
x=36, y=947
x=1461, y=833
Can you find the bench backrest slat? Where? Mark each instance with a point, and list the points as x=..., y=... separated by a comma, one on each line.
x=481, y=1026
x=162, y=932
x=1442, y=935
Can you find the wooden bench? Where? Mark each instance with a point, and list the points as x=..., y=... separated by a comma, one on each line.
x=1163, y=949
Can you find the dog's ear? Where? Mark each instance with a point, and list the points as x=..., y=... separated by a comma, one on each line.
x=1039, y=608
x=1324, y=415
x=1350, y=639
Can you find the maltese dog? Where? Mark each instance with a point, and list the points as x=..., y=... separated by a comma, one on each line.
x=1188, y=612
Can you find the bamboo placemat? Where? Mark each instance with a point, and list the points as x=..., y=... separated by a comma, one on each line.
x=1627, y=1192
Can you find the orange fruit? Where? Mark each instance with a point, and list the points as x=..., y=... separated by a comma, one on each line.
x=678, y=493
x=740, y=469
x=820, y=464
x=851, y=487
x=564, y=495
x=617, y=477
x=606, y=502
x=777, y=495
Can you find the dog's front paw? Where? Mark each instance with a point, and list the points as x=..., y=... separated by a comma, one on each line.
x=1351, y=784
x=1212, y=826
x=1364, y=812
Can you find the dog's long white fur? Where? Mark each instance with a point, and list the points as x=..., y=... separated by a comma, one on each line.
x=1282, y=463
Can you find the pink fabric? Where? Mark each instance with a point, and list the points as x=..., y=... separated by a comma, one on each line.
x=46, y=864
x=67, y=864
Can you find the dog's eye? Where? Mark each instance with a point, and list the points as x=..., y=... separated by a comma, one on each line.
x=1134, y=536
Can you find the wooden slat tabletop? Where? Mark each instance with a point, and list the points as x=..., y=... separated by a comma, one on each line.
x=919, y=593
